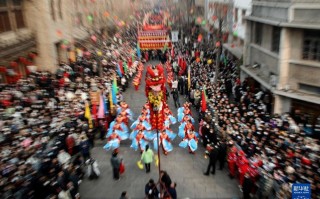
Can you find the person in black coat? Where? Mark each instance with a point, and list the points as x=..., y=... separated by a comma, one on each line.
x=212, y=160
x=175, y=95
x=205, y=133
x=222, y=154
x=212, y=136
x=172, y=190
x=165, y=179
x=247, y=186
x=151, y=190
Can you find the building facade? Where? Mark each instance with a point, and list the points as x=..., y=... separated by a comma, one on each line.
x=52, y=29
x=282, y=53
x=17, y=41
x=232, y=13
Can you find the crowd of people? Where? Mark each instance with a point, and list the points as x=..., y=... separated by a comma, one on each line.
x=46, y=137
x=267, y=153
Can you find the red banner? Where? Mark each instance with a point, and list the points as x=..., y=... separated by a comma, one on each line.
x=142, y=33
x=154, y=45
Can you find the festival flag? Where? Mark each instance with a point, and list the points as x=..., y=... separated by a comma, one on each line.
x=138, y=51
x=132, y=58
x=130, y=61
x=189, y=78
x=125, y=67
x=119, y=70
x=94, y=112
x=121, y=67
x=172, y=52
x=114, y=91
x=203, y=100
x=110, y=100
x=101, y=110
x=87, y=114
x=105, y=105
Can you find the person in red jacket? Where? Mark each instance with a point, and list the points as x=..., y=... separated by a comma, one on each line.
x=232, y=159
x=243, y=169
x=70, y=143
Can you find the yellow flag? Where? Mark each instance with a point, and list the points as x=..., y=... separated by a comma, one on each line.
x=110, y=99
x=87, y=114
x=156, y=162
x=140, y=165
x=72, y=56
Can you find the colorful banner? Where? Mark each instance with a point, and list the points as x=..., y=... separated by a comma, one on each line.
x=154, y=45
x=95, y=97
x=152, y=33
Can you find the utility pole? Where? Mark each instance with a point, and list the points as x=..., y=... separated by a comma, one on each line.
x=221, y=12
x=219, y=41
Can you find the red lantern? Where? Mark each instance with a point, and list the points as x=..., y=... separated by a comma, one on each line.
x=13, y=64
x=225, y=37
x=94, y=38
x=23, y=60
x=218, y=44
x=32, y=55
x=214, y=18
x=3, y=69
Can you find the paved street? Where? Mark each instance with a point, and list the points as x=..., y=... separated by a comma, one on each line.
x=183, y=168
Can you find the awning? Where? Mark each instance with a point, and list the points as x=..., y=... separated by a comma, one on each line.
x=275, y=22
x=257, y=77
x=235, y=50
x=293, y=94
x=299, y=96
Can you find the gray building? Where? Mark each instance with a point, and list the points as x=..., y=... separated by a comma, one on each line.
x=282, y=53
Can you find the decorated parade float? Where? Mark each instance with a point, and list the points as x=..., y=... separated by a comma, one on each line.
x=153, y=34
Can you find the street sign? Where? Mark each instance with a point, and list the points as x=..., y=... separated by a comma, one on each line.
x=174, y=36
x=301, y=191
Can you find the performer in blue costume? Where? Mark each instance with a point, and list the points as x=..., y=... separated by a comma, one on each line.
x=168, y=118
x=190, y=141
x=186, y=125
x=114, y=137
x=126, y=112
x=118, y=120
x=165, y=138
x=185, y=111
x=143, y=120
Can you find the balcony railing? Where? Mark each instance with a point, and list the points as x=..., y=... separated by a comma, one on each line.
x=13, y=42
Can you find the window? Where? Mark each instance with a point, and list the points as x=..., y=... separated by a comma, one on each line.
x=258, y=33
x=276, y=32
x=60, y=9
x=52, y=10
x=16, y=2
x=79, y=19
x=3, y=4
x=309, y=88
x=243, y=15
x=311, y=45
x=236, y=15
x=19, y=19
x=4, y=22
x=11, y=15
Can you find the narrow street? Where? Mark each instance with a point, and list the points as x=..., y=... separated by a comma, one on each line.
x=185, y=169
